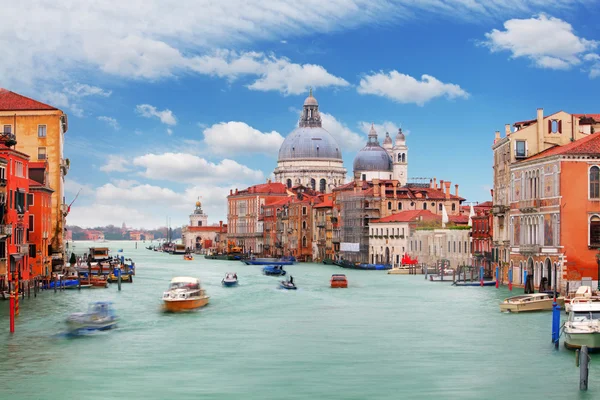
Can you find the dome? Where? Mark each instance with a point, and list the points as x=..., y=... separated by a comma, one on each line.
x=309, y=142
x=310, y=101
x=372, y=158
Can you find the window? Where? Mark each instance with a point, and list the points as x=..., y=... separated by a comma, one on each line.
x=595, y=231
x=389, y=205
x=303, y=210
x=303, y=241
x=399, y=206
x=30, y=229
x=424, y=206
x=453, y=207
x=520, y=148
x=303, y=224
x=41, y=153
x=20, y=202
x=10, y=199
x=7, y=129
x=595, y=182
x=2, y=249
x=42, y=131
x=289, y=183
x=313, y=183
x=364, y=177
x=32, y=252
x=322, y=185
x=440, y=206
x=29, y=199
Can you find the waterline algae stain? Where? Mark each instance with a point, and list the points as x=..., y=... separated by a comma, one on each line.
x=384, y=337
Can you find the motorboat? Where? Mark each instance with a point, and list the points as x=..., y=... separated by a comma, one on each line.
x=338, y=281
x=99, y=317
x=474, y=283
x=230, y=279
x=527, y=302
x=184, y=294
x=113, y=277
x=403, y=270
x=583, y=326
x=584, y=294
x=274, y=270
x=270, y=261
x=447, y=276
x=288, y=285
x=188, y=257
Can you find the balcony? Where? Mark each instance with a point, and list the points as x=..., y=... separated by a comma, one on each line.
x=23, y=248
x=529, y=249
x=65, y=164
x=529, y=206
x=500, y=209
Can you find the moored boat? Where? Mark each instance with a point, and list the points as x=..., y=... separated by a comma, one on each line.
x=338, y=281
x=583, y=326
x=527, y=302
x=100, y=316
x=474, y=283
x=113, y=277
x=230, y=279
x=270, y=261
x=184, y=294
x=403, y=270
x=274, y=270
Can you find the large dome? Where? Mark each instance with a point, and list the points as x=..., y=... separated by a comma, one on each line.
x=373, y=158
x=307, y=142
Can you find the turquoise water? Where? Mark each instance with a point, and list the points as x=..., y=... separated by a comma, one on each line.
x=385, y=337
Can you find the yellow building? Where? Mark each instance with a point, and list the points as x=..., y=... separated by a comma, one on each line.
x=39, y=131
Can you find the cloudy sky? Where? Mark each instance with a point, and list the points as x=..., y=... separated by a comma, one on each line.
x=174, y=99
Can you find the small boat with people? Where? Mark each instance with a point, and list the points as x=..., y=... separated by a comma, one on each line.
x=230, y=279
x=188, y=257
x=288, y=285
x=99, y=317
x=270, y=261
x=274, y=270
x=184, y=294
x=527, y=302
x=338, y=281
x=583, y=326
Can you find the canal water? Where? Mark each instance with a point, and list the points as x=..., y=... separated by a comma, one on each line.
x=385, y=337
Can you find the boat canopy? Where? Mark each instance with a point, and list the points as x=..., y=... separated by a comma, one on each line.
x=185, y=279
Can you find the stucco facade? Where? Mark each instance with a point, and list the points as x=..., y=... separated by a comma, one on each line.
x=431, y=245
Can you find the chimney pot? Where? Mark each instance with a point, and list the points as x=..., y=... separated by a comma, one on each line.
x=447, y=189
x=456, y=190
x=507, y=129
x=434, y=183
x=441, y=187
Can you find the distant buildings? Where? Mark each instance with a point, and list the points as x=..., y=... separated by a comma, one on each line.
x=198, y=236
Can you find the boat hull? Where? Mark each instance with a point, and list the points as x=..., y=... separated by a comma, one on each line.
x=78, y=327
x=284, y=285
x=259, y=262
x=339, y=284
x=576, y=340
x=175, y=305
x=229, y=283
x=475, y=283
x=399, y=271
x=541, y=305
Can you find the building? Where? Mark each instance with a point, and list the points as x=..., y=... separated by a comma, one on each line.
x=310, y=156
x=482, y=237
x=94, y=235
x=554, y=216
x=323, y=222
x=198, y=236
x=244, y=229
x=39, y=130
x=528, y=139
x=389, y=162
x=389, y=236
x=271, y=214
x=299, y=241
x=40, y=219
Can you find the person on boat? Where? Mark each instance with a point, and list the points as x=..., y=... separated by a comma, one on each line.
x=235, y=276
x=291, y=279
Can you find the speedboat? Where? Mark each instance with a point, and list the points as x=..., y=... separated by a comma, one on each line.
x=99, y=317
x=274, y=270
x=527, y=302
x=583, y=326
x=188, y=257
x=338, y=281
x=288, y=285
x=583, y=295
x=230, y=279
x=184, y=294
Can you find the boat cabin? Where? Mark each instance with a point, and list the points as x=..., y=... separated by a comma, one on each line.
x=339, y=281
x=99, y=253
x=584, y=311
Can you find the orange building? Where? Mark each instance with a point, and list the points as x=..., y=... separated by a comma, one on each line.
x=270, y=216
x=40, y=219
x=555, y=214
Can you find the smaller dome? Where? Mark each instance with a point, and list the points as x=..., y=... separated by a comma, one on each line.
x=387, y=140
x=310, y=100
x=400, y=136
x=198, y=204
x=373, y=158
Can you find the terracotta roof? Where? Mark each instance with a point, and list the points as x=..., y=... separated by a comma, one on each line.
x=11, y=101
x=409, y=216
x=524, y=122
x=326, y=204
x=214, y=228
x=345, y=186
x=587, y=145
x=279, y=202
x=459, y=219
x=595, y=117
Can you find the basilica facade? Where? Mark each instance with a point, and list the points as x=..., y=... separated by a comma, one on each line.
x=310, y=156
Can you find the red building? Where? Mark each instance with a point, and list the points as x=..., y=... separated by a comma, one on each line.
x=268, y=215
x=482, y=237
x=40, y=219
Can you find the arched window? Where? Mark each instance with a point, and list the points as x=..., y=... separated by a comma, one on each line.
x=453, y=207
x=303, y=241
x=403, y=157
x=424, y=206
x=313, y=184
x=289, y=183
x=440, y=206
x=389, y=205
x=399, y=206
x=303, y=224
x=594, y=229
x=322, y=186
x=399, y=157
x=594, y=182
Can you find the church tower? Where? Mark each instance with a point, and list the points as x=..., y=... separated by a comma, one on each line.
x=400, y=157
x=198, y=218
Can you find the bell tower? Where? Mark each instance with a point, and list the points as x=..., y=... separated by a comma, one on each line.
x=400, y=157
x=198, y=218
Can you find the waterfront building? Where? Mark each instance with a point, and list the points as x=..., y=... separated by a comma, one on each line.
x=300, y=222
x=198, y=236
x=323, y=221
x=271, y=214
x=39, y=129
x=309, y=155
x=554, y=216
x=387, y=162
x=244, y=228
x=432, y=245
x=94, y=235
x=482, y=237
x=528, y=139
x=14, y=249
x=40, y=219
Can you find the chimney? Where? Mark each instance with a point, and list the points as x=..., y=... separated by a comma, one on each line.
x=456, y=190
x=236, y=191
x=230, y=192
x=507, y=129
x=434, y=184
x=575, y=128
x=540, y=132
x=441, y=187
x=269, y=180
x=447, y=189
x=497, y=136
x=430, y=183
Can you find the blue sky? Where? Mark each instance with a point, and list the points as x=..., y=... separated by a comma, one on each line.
x=172, y=100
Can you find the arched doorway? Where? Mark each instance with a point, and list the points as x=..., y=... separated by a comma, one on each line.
x=387, y=255
x=198, y=243
x=548, y=272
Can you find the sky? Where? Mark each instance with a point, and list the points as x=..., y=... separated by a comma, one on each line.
x=171, y=101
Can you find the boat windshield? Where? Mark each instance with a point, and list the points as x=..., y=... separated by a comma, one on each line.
x=184, y=285
x=578, y=316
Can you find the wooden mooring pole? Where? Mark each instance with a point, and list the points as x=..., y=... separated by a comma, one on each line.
x=584, y=360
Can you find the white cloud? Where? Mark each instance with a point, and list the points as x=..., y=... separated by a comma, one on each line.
x=547, y=41
x=169, y=131
x=112, y=122
x=406, y=89
x=166, y=116
x=183, y=167
x=84, y=90
x=72, y=187
x=71, y=96
x=345, y=137
x=132, y=193
x=238, y=137
x=115, y=164
x=381, y=129
x=61, y=100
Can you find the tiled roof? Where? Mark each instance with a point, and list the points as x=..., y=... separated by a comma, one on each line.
x=410, y=216
x=587, y=145
x=595, y=117
x=214, y=228
x=459, y=219
x=345, y=186
x=326, y=204
x=279, y=202
x=11, y=101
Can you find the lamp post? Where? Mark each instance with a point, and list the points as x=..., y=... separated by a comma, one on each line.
x=598, y=263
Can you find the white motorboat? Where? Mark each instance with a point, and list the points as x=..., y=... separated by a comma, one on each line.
x=583, y=295
x=403, y=270
x=583, y=326
x=527, y=302
x=230, y=279
x=100, y=316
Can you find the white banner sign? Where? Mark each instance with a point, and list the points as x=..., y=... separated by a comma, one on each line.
x=353, y=247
